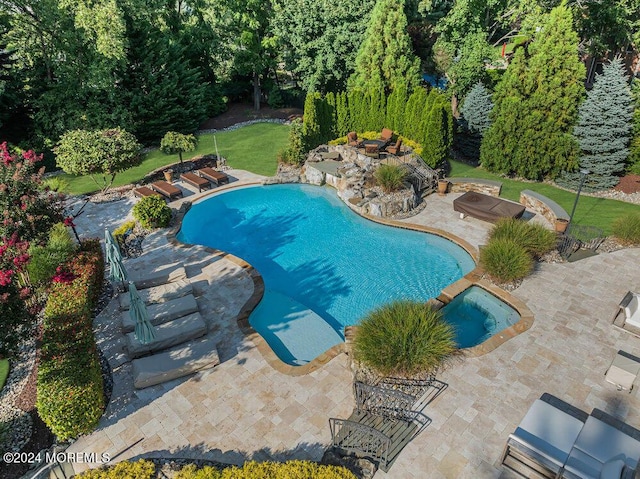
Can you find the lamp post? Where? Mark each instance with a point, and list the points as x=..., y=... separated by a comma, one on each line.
x=583, y=177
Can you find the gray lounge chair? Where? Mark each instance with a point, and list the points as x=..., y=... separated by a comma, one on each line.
x=146, y=279
x=168, y=334
x=159, y=294
x=162, y=312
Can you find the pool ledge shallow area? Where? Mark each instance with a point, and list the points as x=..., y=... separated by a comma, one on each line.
x=470, y=279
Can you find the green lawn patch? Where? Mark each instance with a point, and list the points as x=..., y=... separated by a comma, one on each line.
x=4, y=372
x=591, y=211
x=253, y=148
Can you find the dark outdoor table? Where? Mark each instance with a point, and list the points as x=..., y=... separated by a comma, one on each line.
x=377, y=143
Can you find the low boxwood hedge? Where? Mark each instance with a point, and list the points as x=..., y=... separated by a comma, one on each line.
x=251, y=470
x=70, y=391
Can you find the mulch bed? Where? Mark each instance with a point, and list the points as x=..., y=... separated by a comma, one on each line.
x=240, y=112
x=629, y=184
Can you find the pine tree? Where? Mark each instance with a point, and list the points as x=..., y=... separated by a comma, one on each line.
x=536, y=105
x=385, y=58
x=475, y=121
x=476, y=108
x=603, y=130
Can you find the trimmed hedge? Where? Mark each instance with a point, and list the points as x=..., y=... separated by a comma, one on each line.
x=251, y=470
x=70, y=391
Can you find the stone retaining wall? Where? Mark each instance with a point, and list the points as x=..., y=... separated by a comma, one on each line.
x=479, y=185
x=542, y=205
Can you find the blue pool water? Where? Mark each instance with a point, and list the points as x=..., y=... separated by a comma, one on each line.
x=477, y=315
x=324, y=267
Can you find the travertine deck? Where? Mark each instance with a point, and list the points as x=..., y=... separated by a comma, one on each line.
x=246, y=409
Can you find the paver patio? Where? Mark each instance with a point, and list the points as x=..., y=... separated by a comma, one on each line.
x=244, y=408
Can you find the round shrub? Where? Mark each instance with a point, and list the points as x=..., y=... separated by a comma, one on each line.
x=390, y=177
x=627, y=228
x=131, y=470
x=535, y=238
x=152, y=212
x=505, y=260
x=404, y=338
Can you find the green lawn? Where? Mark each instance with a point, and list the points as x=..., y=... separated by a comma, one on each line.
x=253, y=148
x=591, y=211
x=4, y=371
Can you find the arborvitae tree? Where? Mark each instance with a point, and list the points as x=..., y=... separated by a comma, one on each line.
x=536, y=105
x=377, y=101
x=356, y=110
x=329, y=117
x=343, y=118
x=603, y=129
x=311, y=131
x=414, y=114
x=385, y=58
x=633, y=164
x=395, y=108
x=434, y=144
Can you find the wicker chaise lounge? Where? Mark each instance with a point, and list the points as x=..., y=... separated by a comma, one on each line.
x=217, y=177
x=196, y=181
x=487, y=208
x=167, y=189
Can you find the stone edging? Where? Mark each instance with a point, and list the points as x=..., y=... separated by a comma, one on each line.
x=472, y=278
x=544, y=206
x=479, y=185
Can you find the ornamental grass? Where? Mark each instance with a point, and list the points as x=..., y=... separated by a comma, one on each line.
x=405, y=339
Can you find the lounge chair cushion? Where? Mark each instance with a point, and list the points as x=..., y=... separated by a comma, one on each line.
x=623, y=371
x=168, y=334
x=159, y=294
x=632, y=311
x=162, y=312
x=548, y=431
x=144, y=280
x=174, y=363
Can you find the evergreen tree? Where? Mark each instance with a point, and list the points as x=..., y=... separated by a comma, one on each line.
x=385, y=58
x=343, y=118
x=476, y=108
x=414, y=114
x=603, y=129
x=475, y=121
x=433, y=141
x=165, y=93
x=329, y=117
x=357, y=111
x=633, y=164
x=395, y=107
x=311, y=131
x=536, y=105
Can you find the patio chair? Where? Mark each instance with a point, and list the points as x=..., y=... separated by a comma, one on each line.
x=217, y=177
x=372, y=151
x=195, y=181
x=352, y=139
x=166, y=189
x=395, y=148
x=386, y=134
x=623, y=371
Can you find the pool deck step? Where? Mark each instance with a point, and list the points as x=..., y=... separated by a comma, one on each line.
x=168, y=334
x=160, y=313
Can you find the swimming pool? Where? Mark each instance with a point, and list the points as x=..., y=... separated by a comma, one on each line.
x=324, y=267
x=476, y=315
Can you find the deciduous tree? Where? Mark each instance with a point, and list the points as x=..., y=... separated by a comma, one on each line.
x=174, y=142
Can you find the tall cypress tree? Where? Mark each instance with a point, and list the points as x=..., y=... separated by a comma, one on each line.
x=357, y=110
x=634, y=155
x=311, y=131
x=603, y=130
x=329, y=117
x=385, y=58
x=536, y=105
x=343, y=120
x=395, y=107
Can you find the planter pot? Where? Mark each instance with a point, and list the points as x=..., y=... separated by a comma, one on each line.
x=561, y=225
x=442, y=187
x=168, y=175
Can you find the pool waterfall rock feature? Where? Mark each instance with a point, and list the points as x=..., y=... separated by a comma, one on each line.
x=351, y=173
